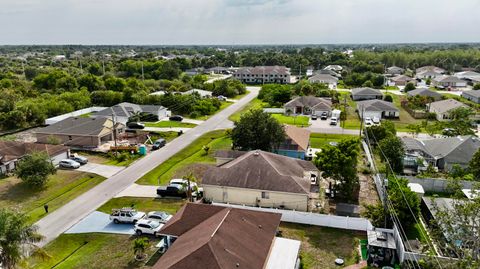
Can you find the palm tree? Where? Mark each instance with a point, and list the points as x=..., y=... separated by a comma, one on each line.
x=17, y=239
x=190, y=178
x=139, y=247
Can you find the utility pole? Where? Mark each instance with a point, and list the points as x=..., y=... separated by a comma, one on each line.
x=344, y=111
x=361, y=121
x=114, y=133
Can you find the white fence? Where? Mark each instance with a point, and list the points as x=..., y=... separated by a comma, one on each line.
x=274, y=110
x=339, y=222
x=76, y=113
x=438, y=184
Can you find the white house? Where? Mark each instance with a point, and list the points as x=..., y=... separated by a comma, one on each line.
x=377, y=109
x=443, y=108
x=329, y=80
x=446, y=81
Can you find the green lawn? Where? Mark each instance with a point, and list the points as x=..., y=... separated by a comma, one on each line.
x=320, y=246
x=92, y=250
x=240, y=96
x=169, y=124
x=193, y=154
x=292, y=120
x=318, y=140
x=254, y=104
x=168, y=136
x=126, y=162
x=352, y=121
x=143, y=204
x=60, y=189
x=405, y=117
x=109, y=159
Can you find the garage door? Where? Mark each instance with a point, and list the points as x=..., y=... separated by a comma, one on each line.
x=56, y=159
x=372, y=114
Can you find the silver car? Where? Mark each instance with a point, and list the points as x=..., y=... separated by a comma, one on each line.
x=67, y=163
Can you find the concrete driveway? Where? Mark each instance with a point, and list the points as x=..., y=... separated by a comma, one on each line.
x=99, y=222
x=167, y=129
x=135, y=190
x=101, y=169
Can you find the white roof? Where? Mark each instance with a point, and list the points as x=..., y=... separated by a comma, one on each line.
x=416, y=188
x=284, y=254
x=471, y=193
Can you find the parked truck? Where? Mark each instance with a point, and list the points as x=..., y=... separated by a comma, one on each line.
x=172, y=190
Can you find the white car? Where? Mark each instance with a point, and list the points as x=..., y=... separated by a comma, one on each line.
x=333, y=121
x=368, y=122
x=159, y=216
x=145, y=226
x=376, y=120
x=67, y=163
x=79, y=159
x=126, y=215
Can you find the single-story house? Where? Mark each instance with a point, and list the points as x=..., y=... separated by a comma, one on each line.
x=82, y=132
x=377, y=108
x=296, y=142
x=329, y=80
x=218, y=237
x=12, y=151
x=473, y=96
x=194, y=71
x=426, y=72
x=443, y=153
x=334, y=67
x=443, y=108
x=402, y=80
x=470, y=76
x=260, y=178
x=327, y=72
x=202, y=93
x=395, y=70
x=449, y=82
x=308, y=105
x=426, y=93
x=124, y=111
x=359, y=94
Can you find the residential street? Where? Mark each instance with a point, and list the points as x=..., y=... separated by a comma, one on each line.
x=65, y=217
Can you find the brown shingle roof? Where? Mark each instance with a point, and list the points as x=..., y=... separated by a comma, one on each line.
x=219, y=237
x=11, y=150
x=300, y=136
x=262, y=170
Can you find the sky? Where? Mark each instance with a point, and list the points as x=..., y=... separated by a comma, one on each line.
x=237, y=22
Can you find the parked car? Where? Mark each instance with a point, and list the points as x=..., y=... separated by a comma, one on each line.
x=333, y=121
x=159, y=143
x=67, y=163
x=159, y=216
x=172, y=190
x=222, y=98
x=368, y=122
x=313, y=117
x=146, y=226
x=176, y=118
x=79, y=159
x=135, y=125
x=376, y=120
x=324, y=116
x=126, y=215
x=183, y=183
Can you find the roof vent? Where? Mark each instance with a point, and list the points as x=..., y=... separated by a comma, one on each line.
x=237, y=265
x=260, y=226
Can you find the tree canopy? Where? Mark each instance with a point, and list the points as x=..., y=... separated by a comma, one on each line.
x=35, y=168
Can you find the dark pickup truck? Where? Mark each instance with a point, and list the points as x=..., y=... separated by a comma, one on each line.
x=171, y=190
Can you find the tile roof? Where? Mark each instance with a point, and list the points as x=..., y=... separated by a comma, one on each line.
x=262, y=170
x=12, y=150
x=219, y=237
x=300, y=136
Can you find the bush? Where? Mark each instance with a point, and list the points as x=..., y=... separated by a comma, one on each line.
x=35, y=168
x=388, y=98
x=476, y=86
x=194, y=115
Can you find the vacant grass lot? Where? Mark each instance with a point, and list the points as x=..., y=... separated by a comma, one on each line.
x=60, y=189
x=193, y=154
x=318, y=140
x=170, y=124
x=321, y=246
x=254, y=104
x=405, y=117
x=292, y=120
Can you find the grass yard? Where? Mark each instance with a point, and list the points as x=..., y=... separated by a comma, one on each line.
x=103, y=158
x=170, y=124
x=405, y=117
x=193, y=154
x=143, y=204
x=254, y=104
x=292, y=120
x=240, y=96
x=168, y=136
x=318, y=140
x=60, y=189
x=321, y=246
x=352, y=121
x=92, y=250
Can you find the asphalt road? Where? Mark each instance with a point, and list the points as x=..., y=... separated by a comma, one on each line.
x=65, y=217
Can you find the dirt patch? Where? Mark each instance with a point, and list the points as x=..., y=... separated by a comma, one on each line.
x=197, y=169
x=368, y=193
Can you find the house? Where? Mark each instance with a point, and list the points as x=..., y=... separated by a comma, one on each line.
x=366, y=94
x=443, y=153
x=473, y=96
x=194, y=71
x=260, y=178
x=329, y=80
x=469, y=76
x=445, y=81
x=402, y=80
x=12, y=151
x=263, y=74
x=395, y=70
x=82, y=132
x=327, y=72
x=296, y=143
x=309, y=71
x=202, y=93
x=334, y=67
x=426, y=93
x=224, y=156
x=217, y=237
x=426, y=72
x=124, y=111
x=377, y=109
x=308, y=105
x=443, y=108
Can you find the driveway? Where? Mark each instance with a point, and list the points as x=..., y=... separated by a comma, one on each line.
x=166, y=129
x=101, y=169
x=186, y=120
x=135, y=190
x=99, y=222
x=71, y=213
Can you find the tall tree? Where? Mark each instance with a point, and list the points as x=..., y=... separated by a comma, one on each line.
x=257, y=130
x=393, y=152
x=474, y=166
x=34, y=169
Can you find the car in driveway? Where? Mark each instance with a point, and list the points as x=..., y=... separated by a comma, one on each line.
x=159, y=143
x=135, y=125
x=159, y=216
x=222, y=98
x=146, y=226
x=368, y=122
x=126, y=215
x=376, y=120
x=183, y=183
x=79, y=159
x=324, y=116
x=172, y=191
x=176, y=118
x=333, y=121
x=67, y=163
x=313, y=117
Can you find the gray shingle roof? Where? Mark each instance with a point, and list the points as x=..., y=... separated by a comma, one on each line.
x=473, y=93
x=77, y=126
x=323, y=78
x=365, y=91
x=446, y=105
x=458, y=149
x=376, y=105
x=310, y=101
x=128, y=109
x=425, y=92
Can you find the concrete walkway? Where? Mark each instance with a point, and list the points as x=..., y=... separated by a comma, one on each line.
x=101, y=169
x=99, y=222
x=135, y=190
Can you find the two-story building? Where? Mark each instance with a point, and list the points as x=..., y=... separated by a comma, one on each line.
x=263, y=74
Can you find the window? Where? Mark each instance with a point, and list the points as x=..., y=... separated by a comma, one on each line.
x=265, y=195
x=69, y=137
